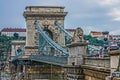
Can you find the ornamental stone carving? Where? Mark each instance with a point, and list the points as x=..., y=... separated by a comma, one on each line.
x=46, y=24
x=56, y=34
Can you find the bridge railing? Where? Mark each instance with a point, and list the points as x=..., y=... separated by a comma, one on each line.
x=49, y=58
x=97, y=62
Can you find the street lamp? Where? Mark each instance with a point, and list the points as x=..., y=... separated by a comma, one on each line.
x=73, y=63
x=51, y=71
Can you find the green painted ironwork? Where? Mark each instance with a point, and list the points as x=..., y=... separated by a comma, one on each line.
x=50, y=59
x=68, y=36
x=19, y=53
x=46, y=45
x=63, y=30
x=49, y=40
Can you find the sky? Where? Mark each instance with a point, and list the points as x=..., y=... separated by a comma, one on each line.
x=90, y=15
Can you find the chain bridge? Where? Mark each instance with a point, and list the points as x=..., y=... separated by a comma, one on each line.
x=52, y=53
x=61, y=55
x=46, y=44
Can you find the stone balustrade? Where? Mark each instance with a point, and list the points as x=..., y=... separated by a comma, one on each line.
x=97, y=62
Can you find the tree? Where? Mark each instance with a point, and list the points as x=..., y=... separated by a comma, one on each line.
x=93, y=40
x=4, y=46
x=16, y=35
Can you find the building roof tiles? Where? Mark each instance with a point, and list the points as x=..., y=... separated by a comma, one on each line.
x=13, y=30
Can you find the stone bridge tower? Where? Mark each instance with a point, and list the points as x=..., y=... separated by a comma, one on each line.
x=46, y=16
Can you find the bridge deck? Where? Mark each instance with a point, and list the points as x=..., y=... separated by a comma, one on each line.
x=55, y=60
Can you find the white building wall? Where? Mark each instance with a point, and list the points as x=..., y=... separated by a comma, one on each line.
x=10, y=34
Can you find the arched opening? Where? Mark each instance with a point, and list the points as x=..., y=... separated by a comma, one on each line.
x=49, y=33
x=44, y=47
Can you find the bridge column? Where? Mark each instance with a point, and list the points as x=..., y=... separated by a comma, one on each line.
x=75, y=60
x=115, y=64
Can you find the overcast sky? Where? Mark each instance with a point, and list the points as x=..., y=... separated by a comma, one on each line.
x=90, y=15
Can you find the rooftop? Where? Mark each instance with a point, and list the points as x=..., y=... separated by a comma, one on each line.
x=13, y=30
x=45, y=7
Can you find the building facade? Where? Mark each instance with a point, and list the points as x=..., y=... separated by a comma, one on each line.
x=11, y=31
x=97, y=34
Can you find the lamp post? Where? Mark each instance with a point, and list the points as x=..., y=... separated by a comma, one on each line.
x=73, y=63
x=51, y=72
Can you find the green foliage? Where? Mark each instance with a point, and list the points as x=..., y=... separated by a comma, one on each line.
x=3, y=58
x=93, y=41
x=4, y=43
x=16, y=35
x=5, y=46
